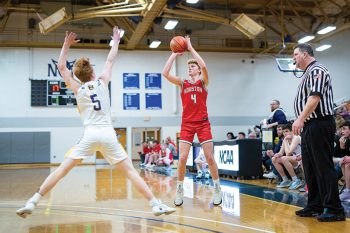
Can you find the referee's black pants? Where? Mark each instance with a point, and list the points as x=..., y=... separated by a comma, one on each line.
x=317, y=147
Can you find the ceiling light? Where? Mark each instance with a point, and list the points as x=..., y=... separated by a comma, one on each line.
x=323, y=47
x=326, y=30
x=155, y=44
x=247, y=26
x=192, y=1
x=53, y=21
x=171, y=24
x=122, y=32
x=306, y=39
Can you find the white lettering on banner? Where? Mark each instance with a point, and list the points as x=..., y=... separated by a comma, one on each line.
x=230, y=200
x=226, y=157
x=188, y=187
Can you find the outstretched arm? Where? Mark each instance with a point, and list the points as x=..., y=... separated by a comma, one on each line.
x=200, y=61
x=166, y=70
x=107, y=69
x=65, y=73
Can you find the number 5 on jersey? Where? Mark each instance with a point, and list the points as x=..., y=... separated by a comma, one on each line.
x=97, y=106
x=193, y=97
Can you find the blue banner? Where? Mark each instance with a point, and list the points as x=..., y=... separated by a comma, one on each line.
x=131, y=81
x=131, y=101
x=153, y=101
x=153, y=81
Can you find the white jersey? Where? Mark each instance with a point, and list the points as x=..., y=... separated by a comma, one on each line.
x=94, y=104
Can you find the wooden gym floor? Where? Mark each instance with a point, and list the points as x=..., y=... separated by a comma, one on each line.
x=99, y=199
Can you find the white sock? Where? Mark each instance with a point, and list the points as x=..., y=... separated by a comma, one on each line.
x=294, y=178
x=284, y=178
x=180, y=184
x=153, y=202
x=216, y=183
x=35, y=198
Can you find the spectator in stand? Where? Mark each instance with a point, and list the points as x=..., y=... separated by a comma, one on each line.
x=276, y=117
x=154, y=155
x=170, y=144
x=230, y=136
x=344, y=162
x=145, y=151
x=202, y=165
x=291, y=147
x=267, y=161
x=169, y=140
x=241, y=135
x=166, y=157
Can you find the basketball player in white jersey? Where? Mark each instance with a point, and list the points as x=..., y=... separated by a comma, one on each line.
x=92, y=96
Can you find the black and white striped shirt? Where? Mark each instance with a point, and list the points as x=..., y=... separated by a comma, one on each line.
x=315, y=81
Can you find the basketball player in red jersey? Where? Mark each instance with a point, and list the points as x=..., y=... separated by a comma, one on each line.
x=194, y=118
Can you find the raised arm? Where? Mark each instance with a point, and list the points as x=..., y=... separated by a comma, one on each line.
x=62, y=61
x=107, y=69
x=166, y=70
x=200, y=61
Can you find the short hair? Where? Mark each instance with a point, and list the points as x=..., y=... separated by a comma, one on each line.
x=193, y=61
x=83, y=70
x=346, y=123
x=242, y=133
x=305, y=47
x=230, y=133
x=280, y=126
x=287, y=126
x=277, y=101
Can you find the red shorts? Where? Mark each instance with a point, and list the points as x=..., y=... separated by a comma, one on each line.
x=201, y=128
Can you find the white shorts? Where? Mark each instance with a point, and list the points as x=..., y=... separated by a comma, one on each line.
x=98, y=138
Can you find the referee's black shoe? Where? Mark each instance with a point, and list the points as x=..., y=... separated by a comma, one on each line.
x=308, y=212
x=328, y=216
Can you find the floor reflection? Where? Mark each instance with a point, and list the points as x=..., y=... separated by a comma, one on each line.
x=82, y=227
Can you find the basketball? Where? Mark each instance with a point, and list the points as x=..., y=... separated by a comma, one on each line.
x=178, y=44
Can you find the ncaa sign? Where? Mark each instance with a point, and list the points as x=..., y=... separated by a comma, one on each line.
x=226, y=157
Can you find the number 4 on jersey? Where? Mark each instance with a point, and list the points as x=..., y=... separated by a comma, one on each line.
x=193, y=97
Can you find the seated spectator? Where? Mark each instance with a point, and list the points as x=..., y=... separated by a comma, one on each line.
x=241, y=135
x=145, y=150
x=170, y=144
x=202, y=165
x=252, y=135
x=154, y=155
x=267, y=161
x=345, y=165
x=166, y=157
x=344, y=151
x=230, y=136
x=291, y=147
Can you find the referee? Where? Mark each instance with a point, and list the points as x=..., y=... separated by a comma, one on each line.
x=313, y=106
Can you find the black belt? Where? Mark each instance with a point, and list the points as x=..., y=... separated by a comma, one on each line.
x=322, y=118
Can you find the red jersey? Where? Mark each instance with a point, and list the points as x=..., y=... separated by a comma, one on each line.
x=156, y=148
x=194, y=101
x=146, y=150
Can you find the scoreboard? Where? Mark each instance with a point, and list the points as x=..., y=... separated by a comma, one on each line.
x=51, y=93
x=59, y=95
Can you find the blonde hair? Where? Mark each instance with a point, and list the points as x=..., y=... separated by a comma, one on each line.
x=194, y=61
x=83, y=69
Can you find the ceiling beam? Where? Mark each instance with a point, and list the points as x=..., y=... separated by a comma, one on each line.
x=152, y=11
